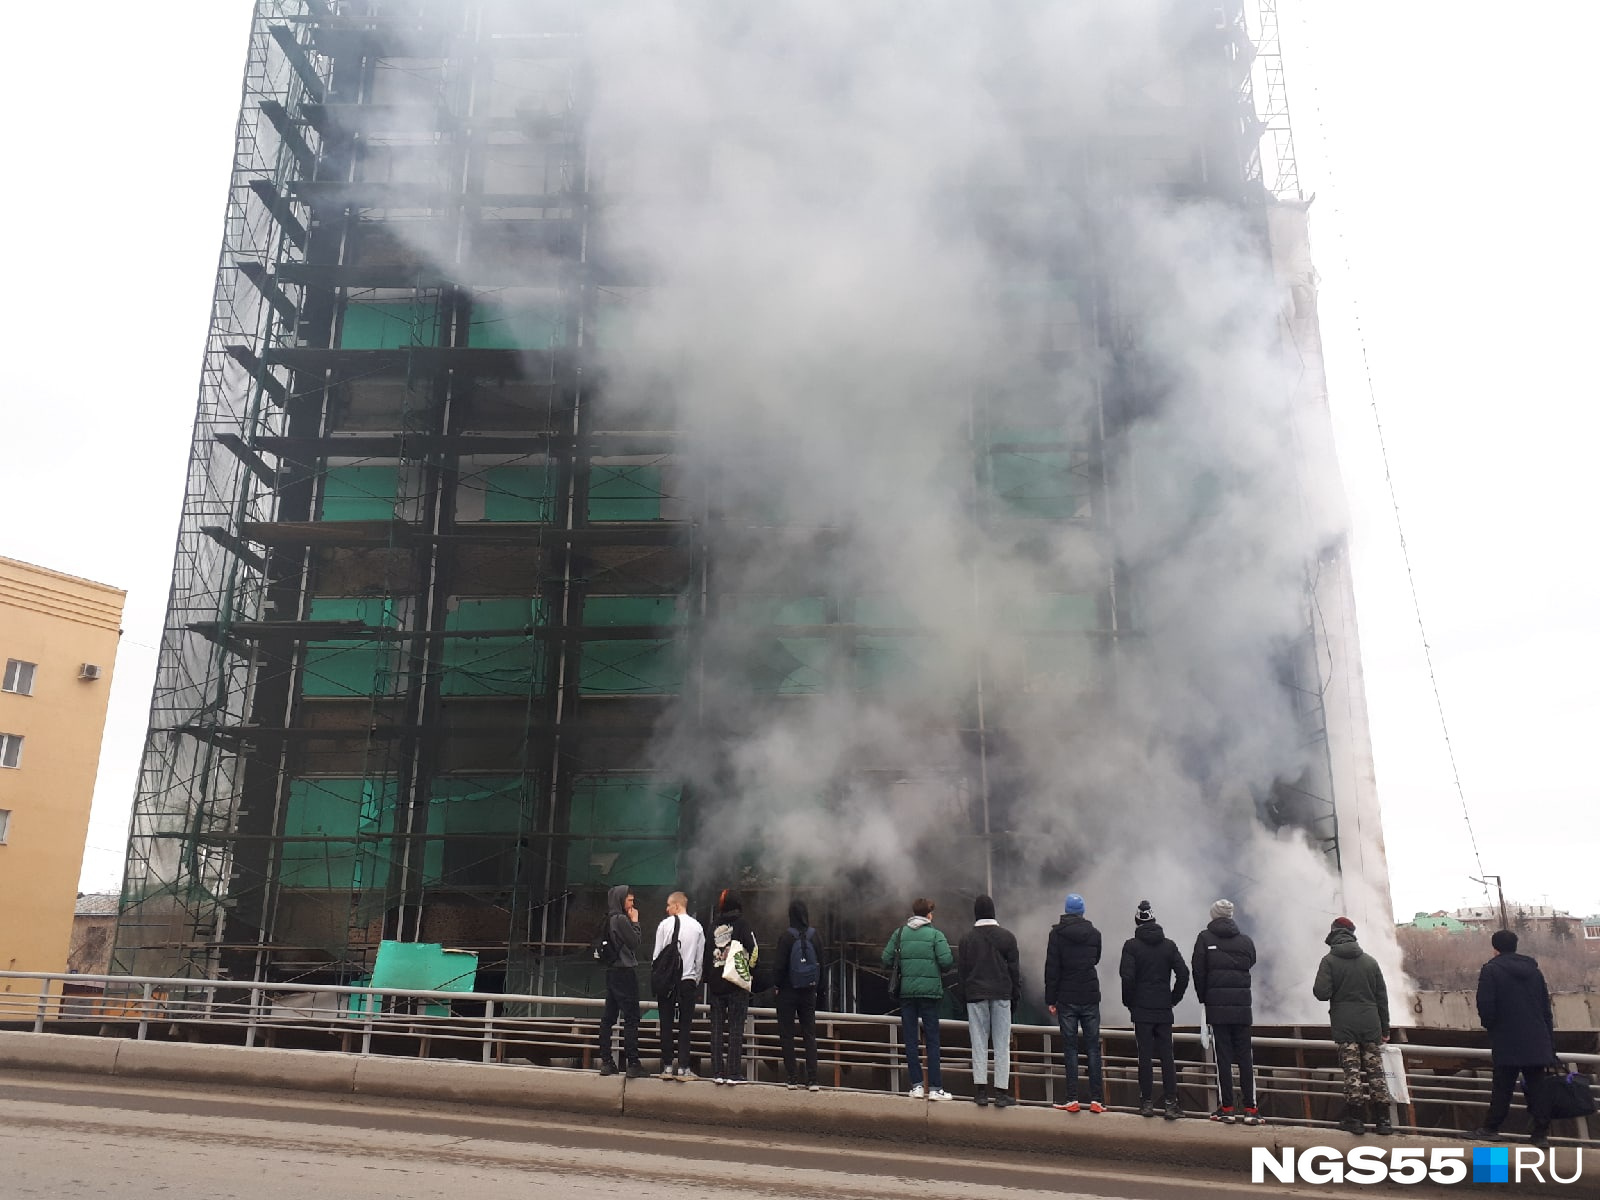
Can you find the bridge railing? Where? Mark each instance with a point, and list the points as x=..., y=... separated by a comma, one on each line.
x=1298, y=1079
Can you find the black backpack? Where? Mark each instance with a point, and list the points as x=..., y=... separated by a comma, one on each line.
x=602, y=947
x=804, y=967
x=666, y=969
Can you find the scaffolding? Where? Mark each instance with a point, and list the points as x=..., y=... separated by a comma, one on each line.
x=438, y=595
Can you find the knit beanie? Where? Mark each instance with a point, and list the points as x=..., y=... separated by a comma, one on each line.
x=1075, y=904
x=983, y=908
x=1222, y=910
x=1144, y=916
x=1343, y=923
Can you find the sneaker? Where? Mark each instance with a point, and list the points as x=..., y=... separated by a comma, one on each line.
x=1003, y=1100
x=1484, y=1134
x=1224, y=1114
x=1250, y=1117
x=1070, y=1106
x=1172, y=1111
x=719, y=1081
x=791, y=1084
x=668, y=1072
x=1096, y=1107
x=980, y=1094
x=735, y=1080
x=1146, y=1109
x=635, y=1071
x=813, y=1086
x=917, y=1093
x=1538, y=1137
x=607, y=1067
x=685, y=1075
x=940, y=1094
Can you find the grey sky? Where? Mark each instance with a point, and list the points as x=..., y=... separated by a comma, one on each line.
x=1445, y=180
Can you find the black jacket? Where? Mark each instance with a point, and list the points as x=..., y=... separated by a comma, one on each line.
x=726, y=926
x=1514, y=1006
x=623, y=932
x=1222, y=960
x=989, y=965
x=1070, y=960
x=1150, y=960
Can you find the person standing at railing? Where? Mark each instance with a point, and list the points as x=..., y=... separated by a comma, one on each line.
x=1514, y=1006
x=917, y=957
x=1072, y=991
x=991, y=981
x=797, y=972
x=1154, y=979
x=1222, y=960
x=675, y=1000
x=732, y=941
x=1351, y=981
x=621, y=956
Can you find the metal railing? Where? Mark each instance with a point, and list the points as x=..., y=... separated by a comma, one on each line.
x=1298, y=1079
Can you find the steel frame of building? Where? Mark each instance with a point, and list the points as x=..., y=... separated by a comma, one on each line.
x=431, y=597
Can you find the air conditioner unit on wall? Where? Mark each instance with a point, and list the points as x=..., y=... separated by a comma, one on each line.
x=88, y=671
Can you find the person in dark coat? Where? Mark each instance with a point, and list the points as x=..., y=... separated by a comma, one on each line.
x=991, y=979
x=1154, y=979
x=729, y=1002
x=622, y=983
x=1221, y=961
x=1351, y=981
x=797, y=1000
x=1514, y=1006
x=1072, y=992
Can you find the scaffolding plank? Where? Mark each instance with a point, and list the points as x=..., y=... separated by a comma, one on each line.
x=300, y=61
x=291, y=135
x=257, y=274
x=257, y=465
x=247, y=359
x=282, y=211
x=234, y=545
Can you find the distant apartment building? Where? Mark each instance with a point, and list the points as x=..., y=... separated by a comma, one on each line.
x=58, y=644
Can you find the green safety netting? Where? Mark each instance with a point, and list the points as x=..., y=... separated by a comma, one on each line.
x=632, y=667
x=516, y=326
x=625, y=493
x=389, y=325
x=622, y=830
x=512, y=665
x=519, y=493
x=354, y=667
x=360, y=493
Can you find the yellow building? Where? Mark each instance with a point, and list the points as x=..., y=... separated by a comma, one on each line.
x=58, y=642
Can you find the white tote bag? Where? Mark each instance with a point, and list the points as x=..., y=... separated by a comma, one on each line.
x=736, y=968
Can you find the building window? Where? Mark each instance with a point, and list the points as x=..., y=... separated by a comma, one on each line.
x=5, y=824
x=10, y=749
x=19, y=677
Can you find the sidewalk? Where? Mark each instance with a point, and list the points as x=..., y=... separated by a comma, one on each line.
x=1119, y=1138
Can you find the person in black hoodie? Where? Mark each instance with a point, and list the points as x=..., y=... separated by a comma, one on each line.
x=622, y=982
x=1150, y=963
x=991, y=980
x=1072, y=992
x=797, y=998
x=1222, y=960
x=1514, y=1006
x=729, y=1001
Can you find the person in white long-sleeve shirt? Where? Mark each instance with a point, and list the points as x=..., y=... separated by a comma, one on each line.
x=677, y=1005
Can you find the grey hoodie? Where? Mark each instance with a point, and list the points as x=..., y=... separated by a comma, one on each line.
x=624, y=933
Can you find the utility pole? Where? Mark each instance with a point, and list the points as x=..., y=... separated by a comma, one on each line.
x=1504, y=924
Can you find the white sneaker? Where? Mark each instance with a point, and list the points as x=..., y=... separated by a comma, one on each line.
x=940, y=1094
x=917, y=1093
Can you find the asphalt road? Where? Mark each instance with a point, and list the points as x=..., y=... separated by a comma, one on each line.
x=69, y=1139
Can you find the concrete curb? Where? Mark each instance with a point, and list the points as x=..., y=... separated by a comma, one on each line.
x=1117, y=1138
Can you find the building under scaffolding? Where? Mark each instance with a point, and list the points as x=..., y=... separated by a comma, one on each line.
x=434, y=599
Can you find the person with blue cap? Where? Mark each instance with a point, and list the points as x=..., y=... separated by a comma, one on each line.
x=1072, y=991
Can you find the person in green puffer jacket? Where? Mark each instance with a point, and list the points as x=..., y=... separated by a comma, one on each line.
x=924, y=956
x=1351, y=981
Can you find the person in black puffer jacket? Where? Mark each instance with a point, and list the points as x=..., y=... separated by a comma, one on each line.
x=1514, y=1006
x=1072, y=991
x=1154, y=979
x=1222, y=960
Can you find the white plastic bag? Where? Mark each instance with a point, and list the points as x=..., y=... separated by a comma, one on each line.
x=1394, y=1073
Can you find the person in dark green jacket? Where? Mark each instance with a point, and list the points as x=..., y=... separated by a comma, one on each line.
x=924, y=955
x=1351, y=981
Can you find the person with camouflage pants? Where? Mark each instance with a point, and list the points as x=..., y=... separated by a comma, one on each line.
x=1351, y=982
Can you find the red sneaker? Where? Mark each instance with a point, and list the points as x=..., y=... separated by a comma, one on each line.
x=1070, y=1106
x=1096, y=1107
